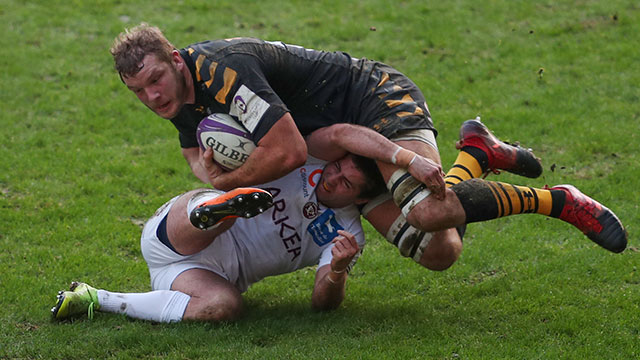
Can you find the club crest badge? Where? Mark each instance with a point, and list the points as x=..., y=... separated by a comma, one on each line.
x=310, y=210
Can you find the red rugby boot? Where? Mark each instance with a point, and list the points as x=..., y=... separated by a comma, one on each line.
x=502, y=156
x=240, y=202
x=600, y=224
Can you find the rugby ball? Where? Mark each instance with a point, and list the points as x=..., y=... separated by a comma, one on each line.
x=230, y=141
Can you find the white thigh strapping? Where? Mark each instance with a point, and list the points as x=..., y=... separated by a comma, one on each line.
x=407, y=192
x=423, y=135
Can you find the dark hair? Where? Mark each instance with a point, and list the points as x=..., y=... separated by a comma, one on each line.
x=375, y=184
x=132, y=45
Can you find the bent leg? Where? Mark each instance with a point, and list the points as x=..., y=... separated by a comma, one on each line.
x=196, y=293
x=183, y=236
x=433, y=250
x=196, y=275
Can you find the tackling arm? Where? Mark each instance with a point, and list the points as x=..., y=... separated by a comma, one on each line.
x=335, y=141
x=332, y=142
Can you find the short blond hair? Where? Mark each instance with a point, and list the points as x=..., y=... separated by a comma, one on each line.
x=132, y=45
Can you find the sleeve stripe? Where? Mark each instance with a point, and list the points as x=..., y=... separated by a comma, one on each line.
x=212, y=72
x=229, y=79
x=199, y=62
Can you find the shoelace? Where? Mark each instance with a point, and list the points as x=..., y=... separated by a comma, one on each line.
x=91, y=308
x=490, y=171
x=90, y=311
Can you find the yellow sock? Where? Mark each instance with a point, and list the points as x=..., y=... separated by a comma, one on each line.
x=467, y=166
x=513, y=199
x=485, y=200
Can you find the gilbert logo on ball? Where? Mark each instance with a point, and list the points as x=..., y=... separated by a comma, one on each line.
x=230, y=141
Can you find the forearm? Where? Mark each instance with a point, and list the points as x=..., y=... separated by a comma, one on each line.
x=261, y=167
x=366, y=142
x=279, y=152
x=329, y=290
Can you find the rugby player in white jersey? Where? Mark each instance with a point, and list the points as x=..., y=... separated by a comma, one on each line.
x=205, y=248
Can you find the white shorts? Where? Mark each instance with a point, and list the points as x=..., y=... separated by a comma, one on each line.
x=165, y=265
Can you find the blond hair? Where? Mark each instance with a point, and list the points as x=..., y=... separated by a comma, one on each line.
x=132, y=45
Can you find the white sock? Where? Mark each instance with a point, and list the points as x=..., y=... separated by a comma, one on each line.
x=160, y=305
x=200, y=197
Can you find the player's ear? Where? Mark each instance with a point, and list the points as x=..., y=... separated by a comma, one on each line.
x=177, y=60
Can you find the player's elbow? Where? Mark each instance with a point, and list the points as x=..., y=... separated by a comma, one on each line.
x=323, y=299
x=338, y=133
x=293, y=157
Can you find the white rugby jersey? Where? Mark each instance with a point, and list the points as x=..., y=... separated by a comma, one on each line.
x=295, y=232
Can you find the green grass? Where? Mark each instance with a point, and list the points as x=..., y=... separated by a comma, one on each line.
x=83, y=164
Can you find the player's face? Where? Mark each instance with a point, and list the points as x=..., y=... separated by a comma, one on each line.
x=340, y=184
x=159, y=85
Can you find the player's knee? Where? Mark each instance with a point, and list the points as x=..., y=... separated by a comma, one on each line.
x=434, y=215
x=420, y=220
x=221, y=307
x=439, y=262
x=419, y=209
x=427, y=217
x=443, y=251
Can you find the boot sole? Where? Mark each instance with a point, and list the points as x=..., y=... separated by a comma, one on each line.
x=241, y=205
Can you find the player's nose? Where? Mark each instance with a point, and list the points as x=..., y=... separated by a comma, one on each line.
x=332, y=179
x=329, y=182
x=152, y=93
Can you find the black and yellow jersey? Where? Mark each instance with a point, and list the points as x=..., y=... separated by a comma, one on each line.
x=259, y=81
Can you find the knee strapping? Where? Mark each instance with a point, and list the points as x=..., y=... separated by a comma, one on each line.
x=407, y=192
x=410, y=241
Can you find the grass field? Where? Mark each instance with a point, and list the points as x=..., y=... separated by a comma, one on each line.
x=83, y=164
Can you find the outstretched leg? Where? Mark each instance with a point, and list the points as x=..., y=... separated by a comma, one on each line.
x=480, y=200
x=196, y=294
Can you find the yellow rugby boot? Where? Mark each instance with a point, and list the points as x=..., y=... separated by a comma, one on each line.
x=80, y=299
